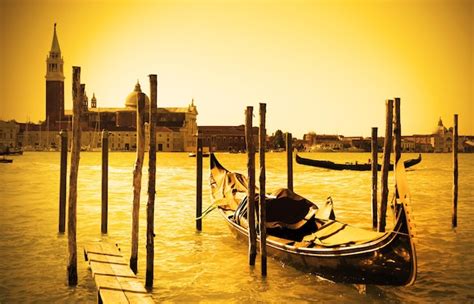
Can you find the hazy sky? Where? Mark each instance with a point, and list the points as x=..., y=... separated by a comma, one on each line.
x=323, y=66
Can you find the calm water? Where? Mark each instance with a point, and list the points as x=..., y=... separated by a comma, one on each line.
x=212, y=265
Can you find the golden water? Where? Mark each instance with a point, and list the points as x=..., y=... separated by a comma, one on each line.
x=212, y=265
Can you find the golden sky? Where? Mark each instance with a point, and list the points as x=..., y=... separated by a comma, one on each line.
x=323, y=66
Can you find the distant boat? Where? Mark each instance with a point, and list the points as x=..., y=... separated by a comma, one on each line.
x=204, y=154
x=350, y=166
x=6, y=160
x=309, y=237
x=9, y=151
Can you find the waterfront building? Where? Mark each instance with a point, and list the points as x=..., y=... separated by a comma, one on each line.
x=8, y=135
x=442, y=139
x=176, y=127
x=226, y=138
x=322, y=142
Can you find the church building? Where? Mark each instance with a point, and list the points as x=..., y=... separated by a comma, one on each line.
x=176, y=127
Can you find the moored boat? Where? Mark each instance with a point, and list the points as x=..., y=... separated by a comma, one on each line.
x=350, y=166
x=192, y=154
x=309, y=237
x=11, y=151
x=6, y=160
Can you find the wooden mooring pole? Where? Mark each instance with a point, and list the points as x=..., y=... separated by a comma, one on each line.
x=387, y=147
x=105, y=181
x=263, y=214
x=289, y=160
x=137, y=180
x=251, y=186
x=150, y=207
x=374, y=166
x=199, y=183
x=397, y=137
x=397, y=132
x=455, y=172
x=77, y=94
x=62, y=182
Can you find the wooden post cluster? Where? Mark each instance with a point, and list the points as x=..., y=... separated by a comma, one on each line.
x=150, y=210
x=62, y=182
x=387, y=147
x=105, y=181
x=374, y=167
x=77, y=94
x=263, y=217
x=455, y=172
x=251, y=186
x=199, y=183
x=137, y=180
x=289, y=160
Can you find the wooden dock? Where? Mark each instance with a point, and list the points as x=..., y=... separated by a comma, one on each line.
x=116, y=282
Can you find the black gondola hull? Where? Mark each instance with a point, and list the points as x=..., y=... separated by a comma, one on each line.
x=388, y=262
x=354, y=167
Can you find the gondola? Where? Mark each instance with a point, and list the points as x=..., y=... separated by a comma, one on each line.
x=350, y=166
x=309, y=237
x=6, y=160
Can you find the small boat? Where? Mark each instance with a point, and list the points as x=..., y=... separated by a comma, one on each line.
x=309, y=237
x=9, y=151
x=204, y=154
x=6, y=160
x=350, y=166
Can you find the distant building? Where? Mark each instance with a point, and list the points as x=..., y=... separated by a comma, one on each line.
x=315, y=142
x=226, y=138
x=54, y=83
x=357, y=143
x=442, y=139
x=176, y=127
x=8, y=134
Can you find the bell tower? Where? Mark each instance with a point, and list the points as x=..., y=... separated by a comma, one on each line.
x=54, y=83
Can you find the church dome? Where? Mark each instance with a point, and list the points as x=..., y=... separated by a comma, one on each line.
x=132, y=98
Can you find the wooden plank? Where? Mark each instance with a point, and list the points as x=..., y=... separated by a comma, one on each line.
x=132, y=285
x=139, y=297
x=111, y=248
x=102, y=248
x=106, y=258
x=119, y=283
x=111, y=269
x=112, y=296
x=122, y=270
x=106, y=281
x=115, y=281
